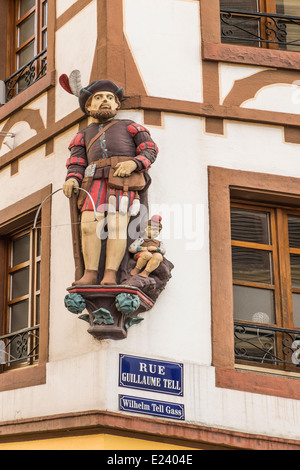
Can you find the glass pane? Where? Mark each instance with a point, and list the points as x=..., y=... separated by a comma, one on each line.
x=44, y=40
x=37, y=299
x=19, y=316
x=45, y=14
x=20, y=283
x=294, y=231
x=25, y=6
x=295, y=270
x=255, y=344
x=296, y=309
x=250, y=226
x=252, y=265
x=288, y=7
x=26, y=54
x=38, y=275
x=38, y=242
x=252, y=304
x=26, y=29
x=246, y=5
x=22, y=85
x=20, y=250
x=292, y=37
x=290, y=31
x=237, y=29
x=18, y=321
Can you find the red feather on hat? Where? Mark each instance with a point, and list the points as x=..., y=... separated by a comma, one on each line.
x=64, y=81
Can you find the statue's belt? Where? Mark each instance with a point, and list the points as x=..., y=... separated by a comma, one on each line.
x=104, y=163
x=134, y=182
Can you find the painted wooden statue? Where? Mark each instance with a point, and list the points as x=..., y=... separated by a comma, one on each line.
x=109, y=160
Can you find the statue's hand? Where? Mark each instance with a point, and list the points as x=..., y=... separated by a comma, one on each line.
x=152, y=248
x=125, y=168
x=69, y=186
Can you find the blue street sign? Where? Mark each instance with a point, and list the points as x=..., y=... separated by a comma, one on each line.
x=148, y=406
x=151, y=374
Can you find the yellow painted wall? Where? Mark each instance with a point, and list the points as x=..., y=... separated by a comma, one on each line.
x=90, y=442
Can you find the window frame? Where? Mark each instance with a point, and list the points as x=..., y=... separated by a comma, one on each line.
x=16, y=47
x=43, y=84
x=214, y=50
x=280, y=284
x=224, y=185
x=17, y=216
x=31, y=296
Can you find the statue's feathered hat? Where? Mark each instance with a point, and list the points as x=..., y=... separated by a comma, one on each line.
x=72, y=85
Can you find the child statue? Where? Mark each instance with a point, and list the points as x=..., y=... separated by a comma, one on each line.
x=148, y=252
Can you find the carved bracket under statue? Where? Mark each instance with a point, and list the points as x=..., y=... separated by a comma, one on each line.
x=111, y=310
x=120, y=266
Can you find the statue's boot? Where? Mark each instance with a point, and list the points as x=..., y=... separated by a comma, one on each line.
x=110, y=277
x=90, y=278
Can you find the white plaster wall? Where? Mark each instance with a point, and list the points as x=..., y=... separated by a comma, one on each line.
x=39, y=103
x=204, y=403
x=282, y=98
x=75, y=48
x=72, y=385
x=165, y=329
x=63, y=5
x=184, y=221
x=229, y=73
x=164, y=36
x=22, y=131
x=13, y=189
x=83, y=373
x=264, y=152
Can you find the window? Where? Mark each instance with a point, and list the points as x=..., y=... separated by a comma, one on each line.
x=20, y=344
x=24, y=288
x=265, y=244
x=27, y=41
x=273, y=24
x=258, y=212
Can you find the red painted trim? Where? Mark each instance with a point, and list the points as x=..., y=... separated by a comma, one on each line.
x=111, y=289
x=185, y=434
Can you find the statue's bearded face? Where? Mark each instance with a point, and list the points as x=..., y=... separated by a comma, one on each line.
x=102, y=106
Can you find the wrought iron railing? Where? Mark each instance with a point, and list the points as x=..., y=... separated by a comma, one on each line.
x=256, y=29
x=267, y=345
x=28, y=74
x=20, y=347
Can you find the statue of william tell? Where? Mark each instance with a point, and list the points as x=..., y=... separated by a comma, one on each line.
x=108, y=151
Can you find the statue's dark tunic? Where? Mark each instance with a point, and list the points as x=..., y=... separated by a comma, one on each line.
x=125, y=138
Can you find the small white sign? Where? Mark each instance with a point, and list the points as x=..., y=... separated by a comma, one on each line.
x=2, y=352
x=2, y=92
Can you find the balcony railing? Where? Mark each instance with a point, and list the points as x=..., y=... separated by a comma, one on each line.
x=267, y=345
x=256, y=29
x=26, y=75
x=20, y=347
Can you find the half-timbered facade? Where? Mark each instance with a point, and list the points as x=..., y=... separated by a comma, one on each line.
x=216, y=83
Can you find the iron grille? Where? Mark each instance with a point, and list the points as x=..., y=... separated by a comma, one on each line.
x=256, y=28
x=20, y=347
x=267, y=345
x=28, y=74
